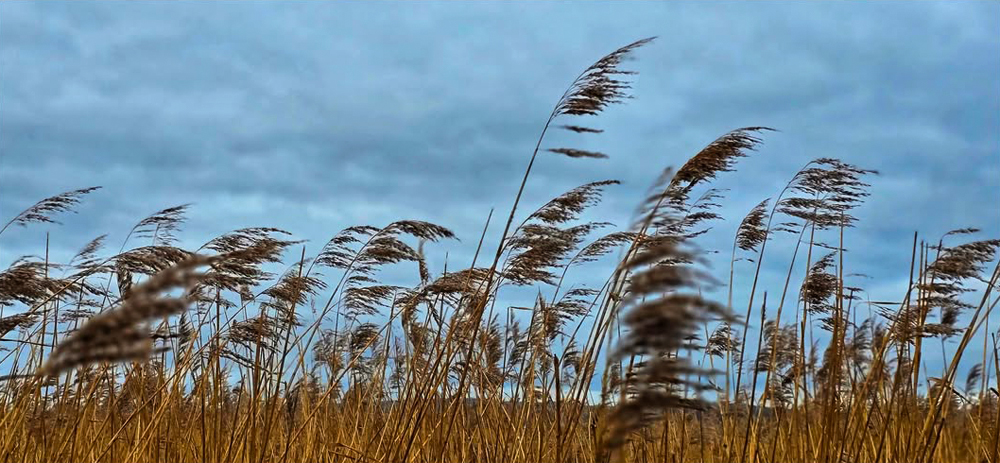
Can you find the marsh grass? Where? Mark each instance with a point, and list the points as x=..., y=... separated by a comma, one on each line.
x=156, y=353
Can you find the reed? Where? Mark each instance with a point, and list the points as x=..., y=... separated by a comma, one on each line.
x=158, y=353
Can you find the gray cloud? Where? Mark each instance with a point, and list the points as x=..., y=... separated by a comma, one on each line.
x=316, y=116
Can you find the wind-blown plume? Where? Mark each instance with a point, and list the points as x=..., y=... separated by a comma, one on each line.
x=753, y=229
x=43, y=210
x=719, y=156
x=663, y=312
x=119, y=334
x=162, y=226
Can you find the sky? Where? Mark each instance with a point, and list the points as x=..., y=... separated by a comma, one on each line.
x=313, y=116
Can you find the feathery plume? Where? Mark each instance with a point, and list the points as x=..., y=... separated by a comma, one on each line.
x=597, y=87
x=118, y=334
x=43, y=210
x=753, y=229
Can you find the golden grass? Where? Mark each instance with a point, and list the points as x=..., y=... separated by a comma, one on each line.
x=157, y=353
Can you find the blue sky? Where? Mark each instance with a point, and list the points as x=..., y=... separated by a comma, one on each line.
x=316, y=116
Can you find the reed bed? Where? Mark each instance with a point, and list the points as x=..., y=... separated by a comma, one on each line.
x=157, y=353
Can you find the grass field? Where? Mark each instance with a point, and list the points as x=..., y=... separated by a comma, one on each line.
x=160, y=354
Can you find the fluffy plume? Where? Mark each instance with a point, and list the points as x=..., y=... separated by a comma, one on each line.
x=328, y=351
x=540, y=245
x=251, y=334
x=377, y=247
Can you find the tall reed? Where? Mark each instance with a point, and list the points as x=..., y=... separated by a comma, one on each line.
x=158, y=353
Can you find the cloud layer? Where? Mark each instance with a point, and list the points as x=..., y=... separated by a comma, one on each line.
x=316, y=116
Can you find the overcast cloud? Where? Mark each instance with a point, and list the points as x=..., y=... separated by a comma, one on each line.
x=316, y=116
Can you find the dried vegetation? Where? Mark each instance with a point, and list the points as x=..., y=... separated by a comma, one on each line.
x=157, y=353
